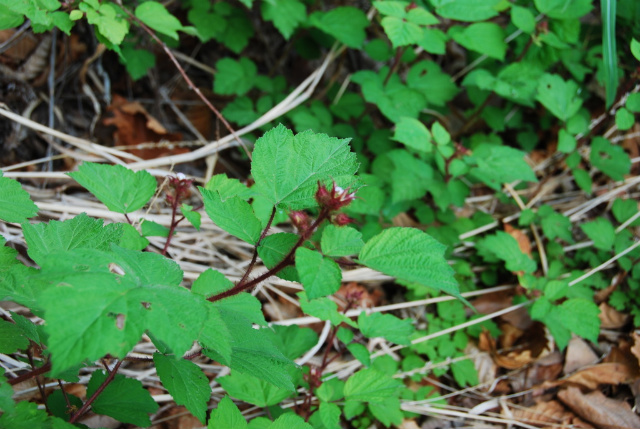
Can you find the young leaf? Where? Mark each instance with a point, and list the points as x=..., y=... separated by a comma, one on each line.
x=15, y=203
x=466, y=10
x=320, y=276
x=286, y=15
x=193, y=217
x=119, y=188
x=331, y=390
x=496, y=165
x=387, y=326
x=506, y=248
x=234, y=77
x=434, y=84
x=228, y=188
x=324, y=309
x=410, y=255
x=370, y=385
x=211, y=282
x=131, y=238
x=559, y=96
x=156, y=16
x=484, y=37
x=245, y=305
x=580, y=316
x=274, y=248
x=234, y=215
x=611, y=159
x=601, y=232
x=124, y=399
x=287, y=168
x=347, y=24
x=330, y=415
x=252, y=390
x=227, y=415
x=150, y=228
x=413, y=134
x=388, y=412
x=564, y=9
x=523, y=19
x=341, y=241
x=555, y=225
x=185, y=382
x=294, y=340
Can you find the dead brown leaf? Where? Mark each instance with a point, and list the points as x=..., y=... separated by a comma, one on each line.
x=591, y=378
x=636, y=346
x=578, y=355
x=546, y=413
x=605, y=413
x=611, y=318
x=523, y=241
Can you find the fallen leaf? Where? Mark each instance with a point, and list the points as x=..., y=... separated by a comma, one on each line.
x=546, y=413
x=523, y=241
x=596, y=408
x=578, y=355
x=611, y=318
x=591, y=378
x=636, y=346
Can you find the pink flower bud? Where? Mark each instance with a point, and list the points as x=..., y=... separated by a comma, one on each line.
x=342, y=219
x=300, y=220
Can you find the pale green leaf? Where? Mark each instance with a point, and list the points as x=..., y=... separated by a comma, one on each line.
x=192, y=216
x=252, y=389
x=186, y=383
x=564, y=9
x=119, y=188
x=227, y=416
x=611, y=159
x=149, y=228
x=580, y=316
x=435, y=85
x=523, y=19
x=234, y=215
x=410, y=255
x=466, y=10
x=484, y=37
x=370, y=385
x=496, y=165
x=386, y=326
x=228, y=188
x=388, y=412
x=290, y=421
x=15, y=203
x=347, y=24
x=601, y=232
x=294, y=340
x=341, y=241
x=506, y=248
x=635, y=48
x=156, y=16
x=401, y=32
x=330, y=415
x=319, y=275
x=124, y=399
x=324, y=309
x=559, y=96
x=287, y=168
x=413, y=134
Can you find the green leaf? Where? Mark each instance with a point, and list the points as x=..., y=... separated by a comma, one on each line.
x=635, y=48
x=464, y=373
x=131, y=238
x=119, y=188
x=211, y=282
x=523, y=19
x=370, y=385
x=623, y=210
x=411, y=177
x=506, y=248
x=243, y=305
x=466, y=10
x=360, y=352
x=564, y=9
x=413, y=134
x=609, y=54
x=294, y=340
x=386, y=326
x=611, y=159
x=123, y=398
x=274, y=248
x=28, y=328
x=347, y=24
x=156, y=16
x=555, y=225
x=566, y=142
x=185, y=382
x=286, y=15
x=330, y=415
x=227, y=415
x=341, y=241
x=9, y=19
x=15, y=203
x=320, y=276
x=105, y=17
x=150, y=228
x=559, y=96
x=331, y=390
x=289, y=421
x=80, y=232
x=241, y=111
x=114, y=297
x=252, y=389
x=137, y=61
x=410, y=255
x=12, y=338
x=401, y=32
x=58, y=404
x=580, y=316
x=234, y=77
x=287, y=168
x=624, y=119
x=496, y=165
x=228, y=188
x=192, y=216
x=484, y=37
x=601, y=232
x=234, y=215
x=440, y=134
x=324, y=309
x=434, y=84
x=26, y=415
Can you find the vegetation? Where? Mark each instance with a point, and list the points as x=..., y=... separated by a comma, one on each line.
x=460, y=148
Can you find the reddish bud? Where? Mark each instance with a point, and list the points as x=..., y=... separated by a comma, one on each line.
x=333, y=199
x=181, y=188
x=342, y=219
x=300, y=220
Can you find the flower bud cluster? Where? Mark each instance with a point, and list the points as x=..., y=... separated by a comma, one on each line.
x=180, y=188
x=333, y=199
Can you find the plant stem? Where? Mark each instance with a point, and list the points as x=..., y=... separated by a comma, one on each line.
x=98, y=391
x=254, y=258
x=33, y=373
x=174, y=209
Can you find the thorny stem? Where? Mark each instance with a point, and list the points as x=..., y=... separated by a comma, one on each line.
x=98, y=391
x=190, y=83
x=254, y=258
x=286, y=261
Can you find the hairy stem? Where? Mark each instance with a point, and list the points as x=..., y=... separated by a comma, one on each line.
x=254, y=258
x=97, y=393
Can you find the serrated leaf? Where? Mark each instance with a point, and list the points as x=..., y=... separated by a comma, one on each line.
x=506, y=248
x=564, y=9
x=611, y=159
x=289, y=421
x=330, y=415
x=401, y=32
x=410, y=255
x=185, y=382
x=484, y=37
x=119, y=188
x=150, y=228
x=124, y=399
x=131, y=238
x=274, y=248
x=192, y=216
x=347, y=24
x=243, y=304
x=227, y=416
x=15, y=203
x=466, y=10
x=434, y=84
x=287, y=168
x=241, y=110
x=320, y=276
x=580, y=316
x=286, y=15
x=156, y=16
x=331, y=390
x=341, y=241
x=12, y=338
x=523, y=19
x=294, y=340
x=414, y=134
x=370, y=385
x=228, y=188
x=252, y=389
x=324, y=309
x=559, y=96
x=80, y=232
x=211, y=282
x=555, y=225
x=624, y=209
x=388, y=412
x=386, y=326
x=234, y=215
x=234, y=77
x=496, y=165
x=114, y=296
x=601, y=232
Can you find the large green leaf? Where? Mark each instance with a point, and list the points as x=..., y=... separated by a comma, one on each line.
x=15, y=203
x=319, y=275
x=410, y=255
x=227, y=415
x=287, y=168
x=506, y=248
x=341, y=241
x=370, y=385
x=185, y=382
x=119, y=188
x=611, y=159
x=564, y=9
x=234, y=215
x=252, y=389
x=387, y=326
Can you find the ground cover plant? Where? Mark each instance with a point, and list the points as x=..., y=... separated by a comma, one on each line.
x=291, y=213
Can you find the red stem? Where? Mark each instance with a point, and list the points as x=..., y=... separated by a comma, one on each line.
x=97, y=393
